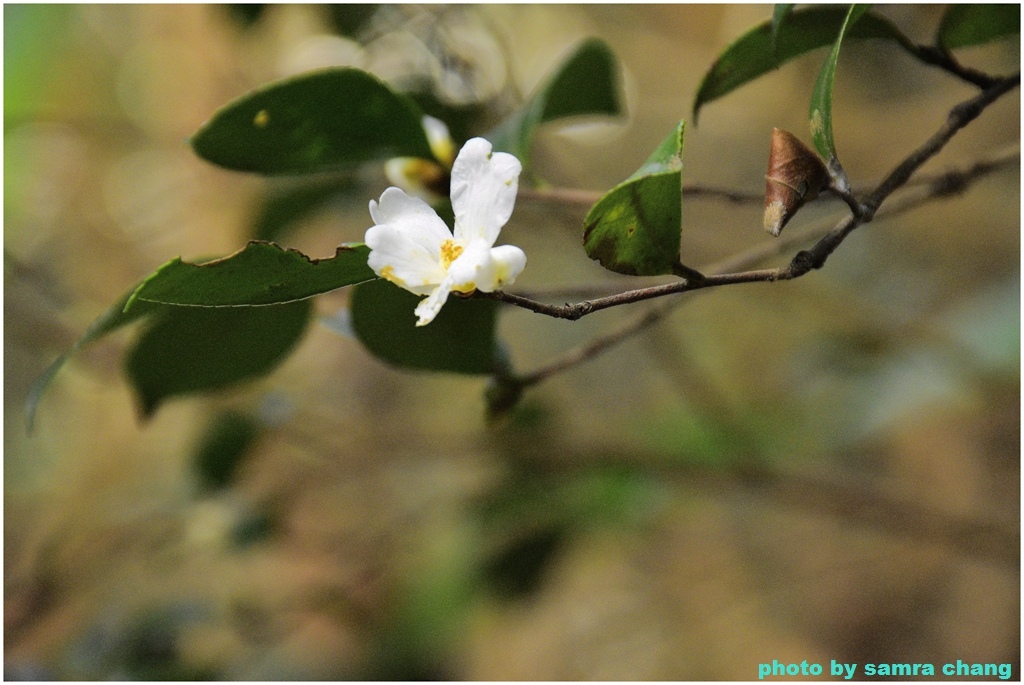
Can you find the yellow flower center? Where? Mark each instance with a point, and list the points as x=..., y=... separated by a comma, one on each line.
x=449, y=253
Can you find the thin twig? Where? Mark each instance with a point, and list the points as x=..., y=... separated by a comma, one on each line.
x=944, y=60
x=567, y=196
x=938, y=186
x=744, y=260
x=588, y=198
x=959, y=116
x=804, y=261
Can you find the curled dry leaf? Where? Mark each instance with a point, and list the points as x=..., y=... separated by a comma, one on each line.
x=795, y=175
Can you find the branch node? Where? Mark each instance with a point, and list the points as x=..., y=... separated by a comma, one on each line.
x=579, y=310
x=803, y=262
x=690, y=274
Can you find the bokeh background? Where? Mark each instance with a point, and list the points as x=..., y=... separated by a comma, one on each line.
x=821, y=469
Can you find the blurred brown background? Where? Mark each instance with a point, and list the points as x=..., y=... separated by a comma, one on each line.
x=822, y=469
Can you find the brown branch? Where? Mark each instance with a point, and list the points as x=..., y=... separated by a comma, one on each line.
x=588, y=198
x=925, y=190
x=944, y=60
x=804, y=261
x=959, y=116
x=744, y=260
x=568, y=196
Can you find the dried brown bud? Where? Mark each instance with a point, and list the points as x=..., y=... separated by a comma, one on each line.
x=795, y=175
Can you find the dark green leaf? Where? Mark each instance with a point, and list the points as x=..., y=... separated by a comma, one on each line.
x=321, y=121
x=753, y=54
x=245, y=13
x=258, y=274
x=349, y=18
x=587, y=83
x=194, y=349
x=222, y=448
x=461, y=339
x=635, y=227
x=517, y=570
x=254, y=527
x=779, y=14
x=821, y=98
x=113, y=318
x=965, y=25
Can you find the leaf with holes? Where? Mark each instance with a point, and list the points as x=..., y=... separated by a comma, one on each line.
x=259, y=274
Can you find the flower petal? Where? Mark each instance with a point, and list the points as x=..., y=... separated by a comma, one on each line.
x=484, y=188
x=413, y=216
x=506, y=262
x=397, y=258
x=428, y=308
x=481, y=267
x=466, y=270
x=405, y=245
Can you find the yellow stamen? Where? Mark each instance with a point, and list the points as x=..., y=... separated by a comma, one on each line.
x=449, y=253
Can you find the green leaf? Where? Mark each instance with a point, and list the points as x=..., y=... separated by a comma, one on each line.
x=779, y=14
x=246, y=14
x=821, y=98
x=113, y=318
x=348, y=19
x=635, y=228
x=194, y=349
x=258, y=274
x=225, y=443
x=756, y=53
x=461, y=339
x=321, y=121
x=965, y=25
x=587, y=83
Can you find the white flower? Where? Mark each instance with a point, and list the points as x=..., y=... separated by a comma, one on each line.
x=413, y=248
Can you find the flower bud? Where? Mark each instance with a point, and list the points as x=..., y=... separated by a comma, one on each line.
x=795, y=175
